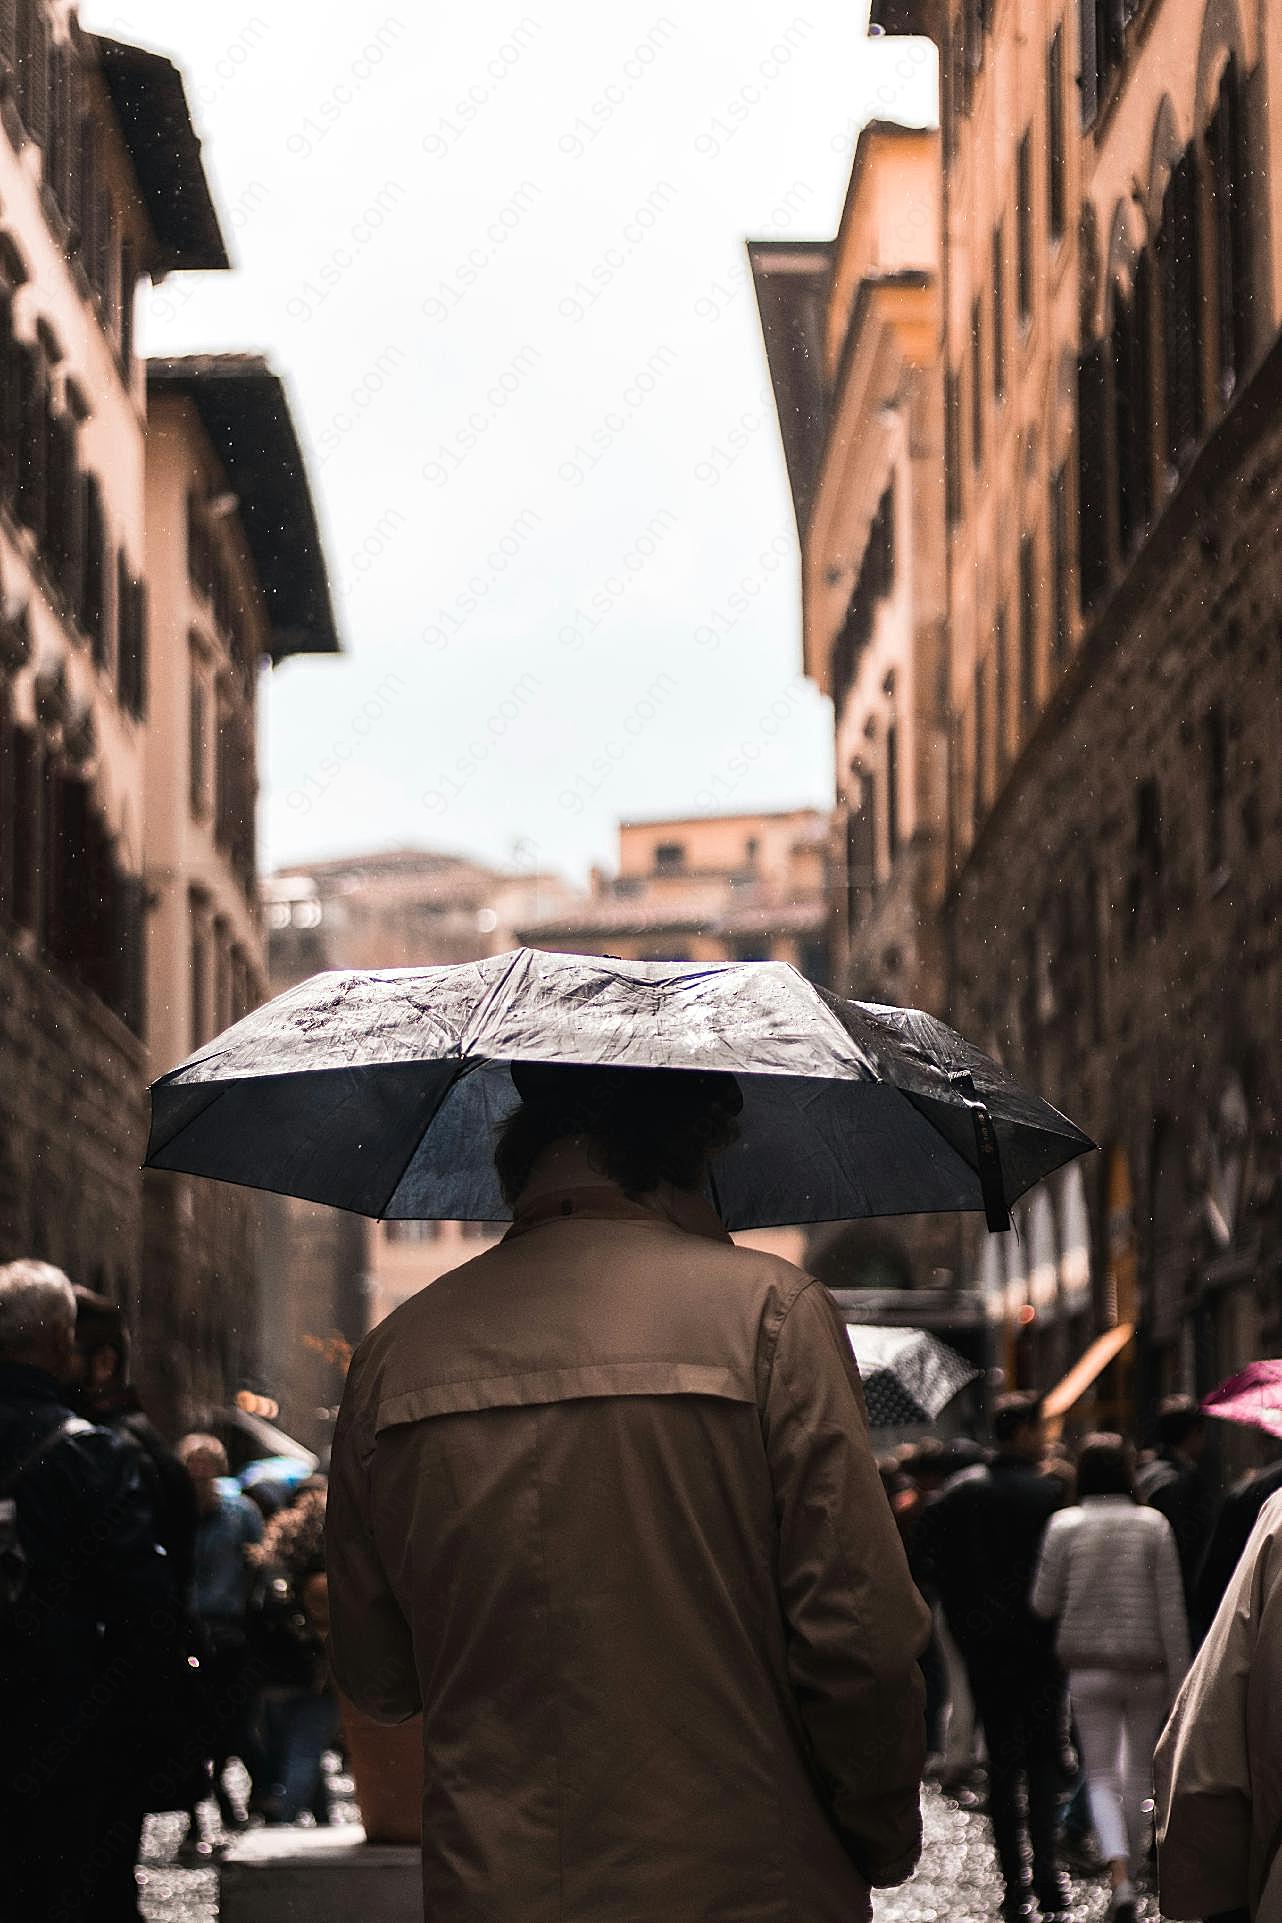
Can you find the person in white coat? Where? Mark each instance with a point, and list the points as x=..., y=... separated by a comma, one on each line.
x=1109, y=1576
x=1219, y=1763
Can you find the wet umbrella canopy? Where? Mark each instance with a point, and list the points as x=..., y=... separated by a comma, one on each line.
x=381, y=1092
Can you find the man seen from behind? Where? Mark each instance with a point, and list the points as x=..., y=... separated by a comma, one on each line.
x=603, y=1507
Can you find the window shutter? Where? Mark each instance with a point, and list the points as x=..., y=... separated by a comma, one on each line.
x=87, y=196
x=9, y=42
x=1090, y=54
x=1182, y=310
x=139, y=606
x=11, y=374
x=55, y=547
x=33, y=404
x=952, y=447
x=8, y=799
x=1143, y=398
x=1092, y=482
x=27, y=837
x=1055, y=196
x=93, y=601
x=24, y=41
x=1027, y=632
x=100, y=260
x=38, y=79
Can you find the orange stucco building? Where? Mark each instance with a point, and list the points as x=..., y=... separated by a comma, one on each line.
x=750, y=887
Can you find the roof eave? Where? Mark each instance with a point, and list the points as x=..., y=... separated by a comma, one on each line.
x=155, y=123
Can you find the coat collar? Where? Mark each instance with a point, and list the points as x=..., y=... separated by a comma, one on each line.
x=606, y=1202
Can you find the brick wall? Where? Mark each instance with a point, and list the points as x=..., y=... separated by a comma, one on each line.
x=72, y=1128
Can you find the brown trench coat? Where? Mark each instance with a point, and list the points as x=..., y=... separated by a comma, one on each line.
x=603, y=1504
x=1219, y=1763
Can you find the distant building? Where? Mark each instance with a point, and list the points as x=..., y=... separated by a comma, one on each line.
x=861, y=412
x=748, y=887
x=237, y=578
x=330, y=1276
x=851, y=330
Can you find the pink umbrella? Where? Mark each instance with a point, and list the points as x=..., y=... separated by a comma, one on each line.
x=1252, y=1396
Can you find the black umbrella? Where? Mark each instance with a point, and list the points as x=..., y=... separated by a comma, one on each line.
x=381, y=1092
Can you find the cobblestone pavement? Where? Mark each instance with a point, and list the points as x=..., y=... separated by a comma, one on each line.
x=957, y=1881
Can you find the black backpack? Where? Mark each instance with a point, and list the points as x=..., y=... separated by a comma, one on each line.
x=14, y=1568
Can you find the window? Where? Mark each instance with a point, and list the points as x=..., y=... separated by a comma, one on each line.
x=1001, y=689
x=1132, y=464
x=1103, y=24
x=1092, y=478
x=128, y=292
x=31, y=497
x=9, y=797
x=198, y=743
x=1146, y=876
x=131, y=659
x=892, y=788
x=1229, y=183
x=861, y=846
x=198, y=982
x=1027, y=631
x=28, y=827
x=1216, y=756
x=948, y=47
x=93, y=578
x=1061, y=614
x=981, y=741
x=1056, y=192
x=411, y=1231
x=976, y=382
x=1024, y=227
x=1179, y=262
x=669, y=857
x=999, y=311
x=952, y=447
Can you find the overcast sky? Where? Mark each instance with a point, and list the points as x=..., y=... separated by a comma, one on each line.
x=498, y=256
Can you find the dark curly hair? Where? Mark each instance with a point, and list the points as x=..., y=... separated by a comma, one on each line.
x=643, y=1126
x=294, y=1539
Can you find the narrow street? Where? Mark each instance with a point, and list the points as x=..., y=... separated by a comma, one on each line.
x=956, y=1883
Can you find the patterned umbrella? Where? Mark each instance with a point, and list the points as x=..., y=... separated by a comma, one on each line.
x=909, y=1375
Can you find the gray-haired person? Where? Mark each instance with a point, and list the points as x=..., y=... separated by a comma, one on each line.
x=81, y=1580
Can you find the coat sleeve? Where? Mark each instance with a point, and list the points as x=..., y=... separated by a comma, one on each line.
x=1047, y=1598
x=1202, y=1767
x=855, y=1623
x=371, y=1648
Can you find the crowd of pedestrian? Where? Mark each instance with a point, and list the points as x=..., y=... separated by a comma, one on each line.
x=158, y=1621
x=1069, y=1591
x=155, y=1621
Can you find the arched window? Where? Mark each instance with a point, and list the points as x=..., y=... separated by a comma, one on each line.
x=1180, y=278
x=1228, y=234
x=1131, y=372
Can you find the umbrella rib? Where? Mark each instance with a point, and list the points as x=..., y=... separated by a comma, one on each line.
x=465, y=1068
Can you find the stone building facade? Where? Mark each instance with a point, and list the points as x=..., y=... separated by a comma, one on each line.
x=86, y=214
x=1112, y=301
x=107, y=610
